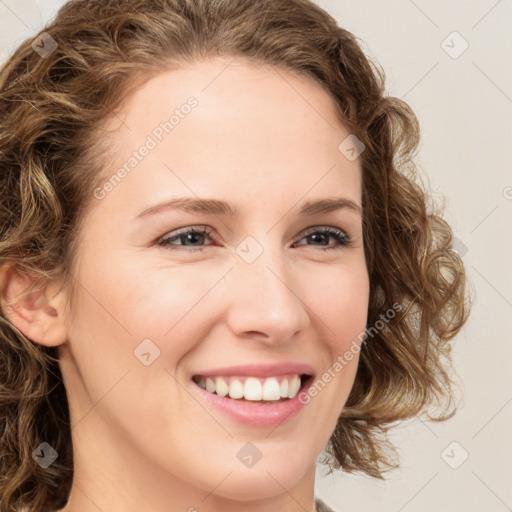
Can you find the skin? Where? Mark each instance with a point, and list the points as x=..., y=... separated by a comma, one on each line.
x=266, y=142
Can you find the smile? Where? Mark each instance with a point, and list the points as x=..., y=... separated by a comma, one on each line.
x=269, y=390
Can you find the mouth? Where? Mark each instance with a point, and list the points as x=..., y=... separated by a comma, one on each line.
x=256, y=390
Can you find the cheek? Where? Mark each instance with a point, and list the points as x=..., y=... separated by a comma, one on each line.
x=339, y=296
x=128, y=304
x=342, y=303
x=143, y=299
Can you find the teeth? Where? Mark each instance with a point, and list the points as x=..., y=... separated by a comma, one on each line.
x=283, y=389
x=221, y=388
x=210, y=385
x=271, y=389
x=236, y=389
x=253, y=388
x=294, y=387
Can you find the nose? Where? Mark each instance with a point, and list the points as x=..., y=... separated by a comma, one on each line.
x=264, y=300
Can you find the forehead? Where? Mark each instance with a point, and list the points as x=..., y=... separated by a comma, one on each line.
x=253, y=129
x=237, y=82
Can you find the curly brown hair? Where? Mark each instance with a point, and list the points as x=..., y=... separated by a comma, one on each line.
x=51, y=110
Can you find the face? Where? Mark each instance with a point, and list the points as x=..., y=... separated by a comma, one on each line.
x=171, y=295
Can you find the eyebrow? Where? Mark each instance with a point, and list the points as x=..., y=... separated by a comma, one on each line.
x=218, y=207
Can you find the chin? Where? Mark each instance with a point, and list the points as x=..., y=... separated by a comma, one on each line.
x=265, y=479
x=253, y=485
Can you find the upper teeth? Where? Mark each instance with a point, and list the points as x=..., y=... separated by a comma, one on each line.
x=253, y=388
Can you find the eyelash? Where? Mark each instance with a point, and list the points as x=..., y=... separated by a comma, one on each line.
x=165, y=242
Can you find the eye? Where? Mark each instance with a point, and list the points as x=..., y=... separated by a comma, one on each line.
x=323, y=235
x=188, y=235
x=194, y=237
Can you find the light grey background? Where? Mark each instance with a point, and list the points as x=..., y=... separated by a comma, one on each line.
x=465, y=109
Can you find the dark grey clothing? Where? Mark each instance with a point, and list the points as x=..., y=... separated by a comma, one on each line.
x=321, y=506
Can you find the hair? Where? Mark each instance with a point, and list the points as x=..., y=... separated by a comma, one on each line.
x=52, y=110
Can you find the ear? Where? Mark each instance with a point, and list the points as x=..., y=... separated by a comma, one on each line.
x=35, y=310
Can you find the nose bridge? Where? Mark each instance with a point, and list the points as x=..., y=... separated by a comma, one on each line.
x=264, y=295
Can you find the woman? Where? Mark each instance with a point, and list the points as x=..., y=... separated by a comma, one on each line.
x=215, y=260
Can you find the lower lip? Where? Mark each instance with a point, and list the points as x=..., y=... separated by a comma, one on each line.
x=256, y=414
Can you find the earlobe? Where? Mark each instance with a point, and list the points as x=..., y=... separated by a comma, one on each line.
x=32, y=308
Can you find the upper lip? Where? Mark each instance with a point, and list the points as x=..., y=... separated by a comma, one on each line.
x=259, y=370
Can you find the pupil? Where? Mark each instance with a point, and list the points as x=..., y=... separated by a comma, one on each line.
x=191, y=237
x=314, y=236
